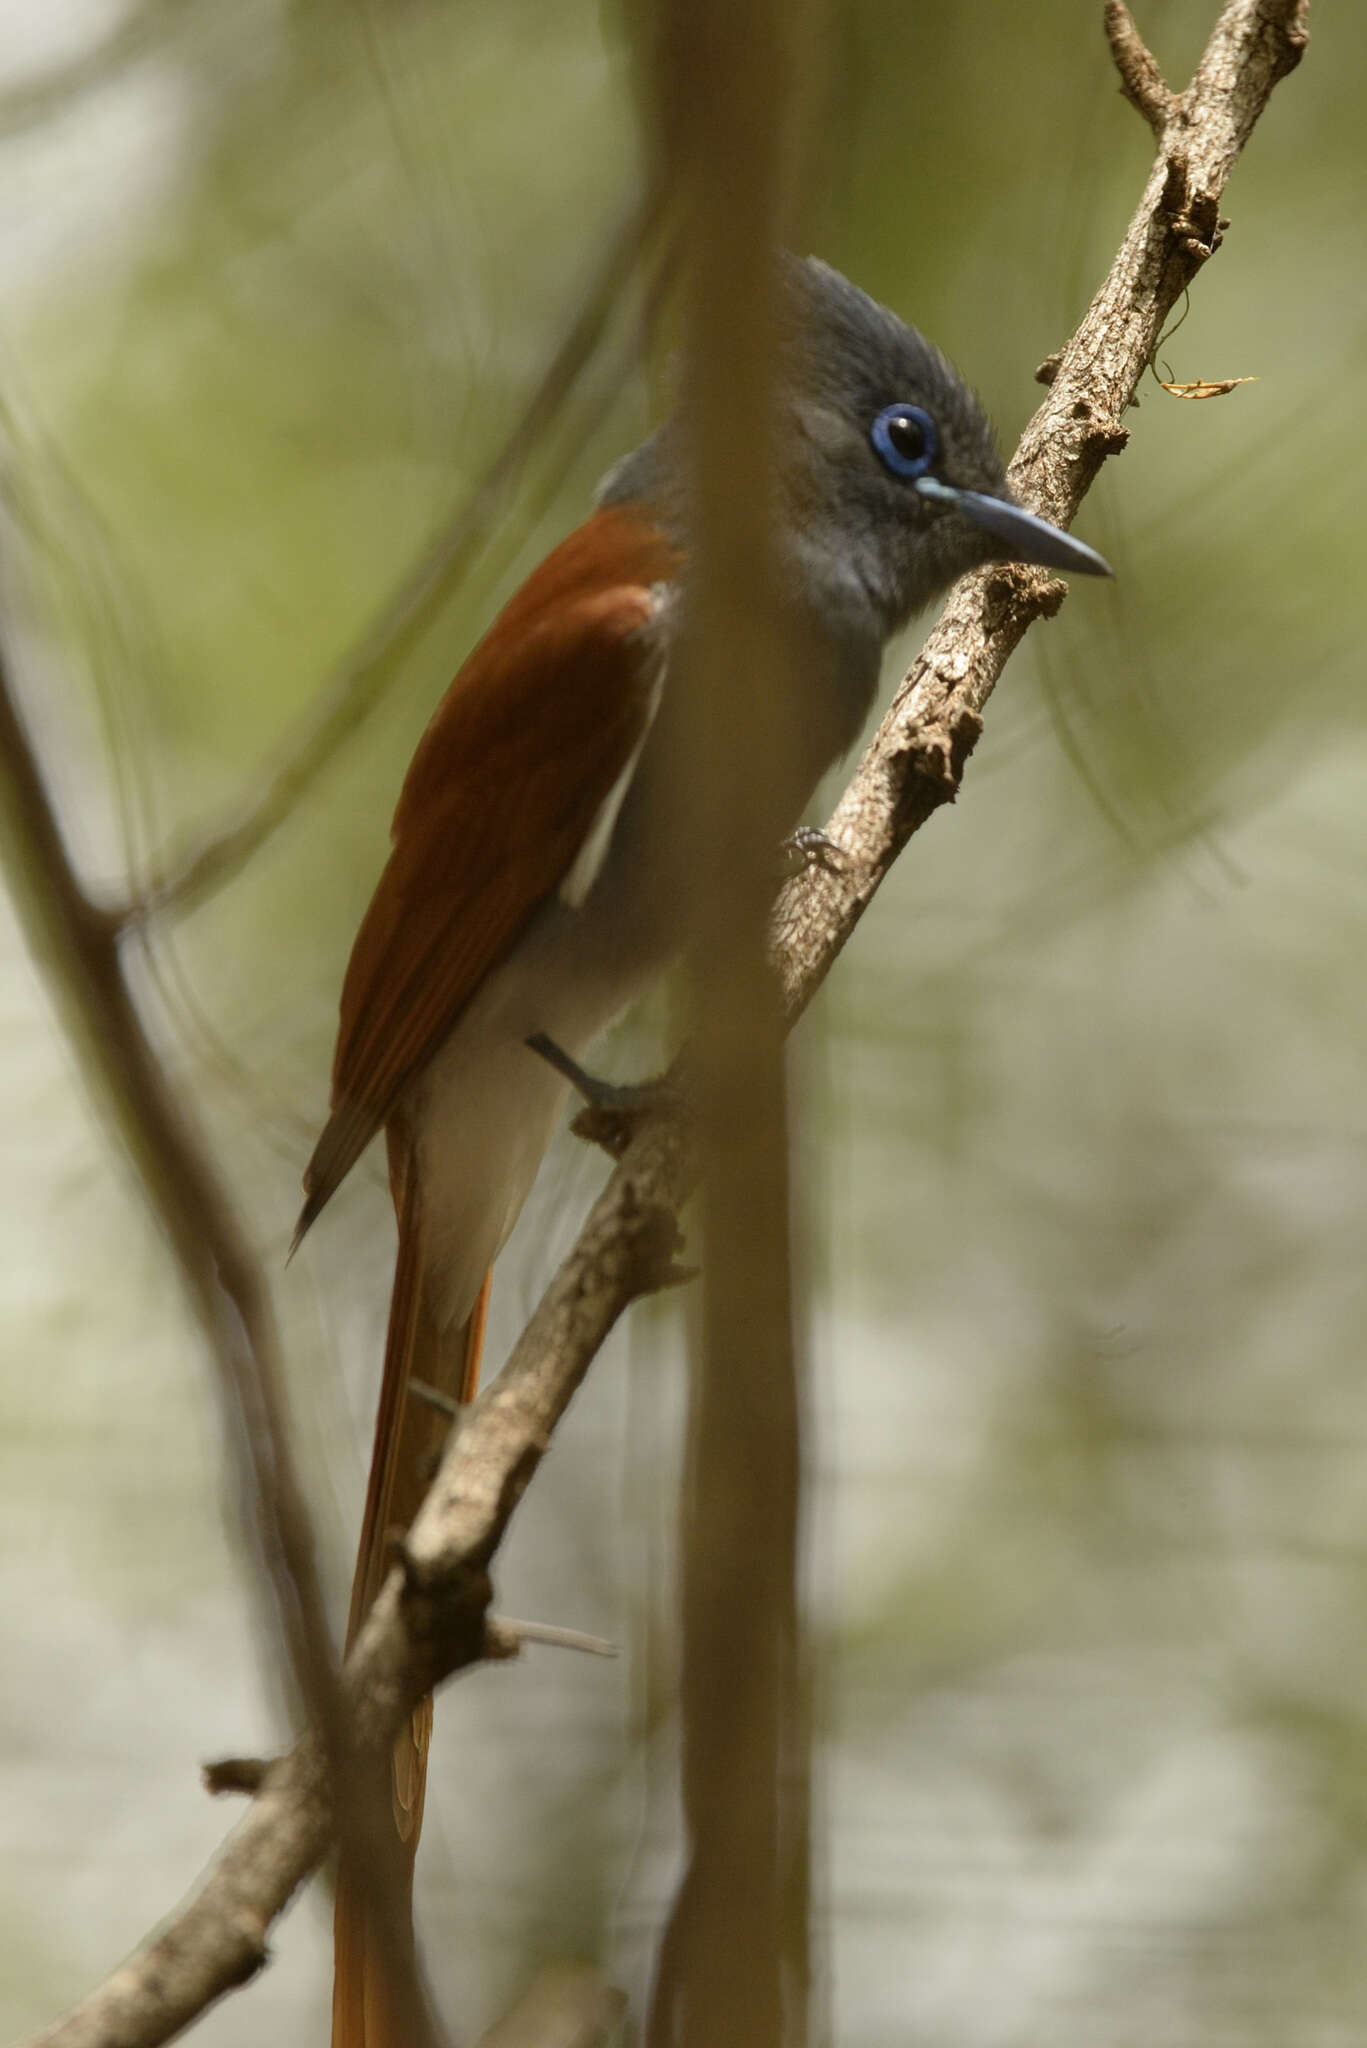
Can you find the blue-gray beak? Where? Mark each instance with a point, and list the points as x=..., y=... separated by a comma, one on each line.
x=1030, y=538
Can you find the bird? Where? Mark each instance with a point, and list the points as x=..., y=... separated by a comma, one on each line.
x=531, y=890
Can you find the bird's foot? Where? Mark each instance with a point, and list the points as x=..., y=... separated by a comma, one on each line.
x=613, y=1110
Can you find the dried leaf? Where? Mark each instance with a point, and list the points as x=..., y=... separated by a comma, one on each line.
x=1207, y=388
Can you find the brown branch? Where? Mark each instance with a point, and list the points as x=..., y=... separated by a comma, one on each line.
x=1141, y=81
x=234, y=1774
x=79, y=952
x=429, y=1619
x=733, y=1963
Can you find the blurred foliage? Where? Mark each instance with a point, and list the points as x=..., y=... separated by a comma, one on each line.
x=1084, y=1128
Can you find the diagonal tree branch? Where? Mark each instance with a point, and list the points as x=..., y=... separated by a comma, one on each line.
x=79, y=951
x=431, y=1617
x=917, y=760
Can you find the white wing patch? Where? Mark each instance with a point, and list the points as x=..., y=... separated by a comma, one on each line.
x=588, y=862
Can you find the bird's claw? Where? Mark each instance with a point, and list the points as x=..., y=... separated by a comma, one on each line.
x=613, y=1110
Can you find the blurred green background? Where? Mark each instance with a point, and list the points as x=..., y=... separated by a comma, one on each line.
x=1083, y=1127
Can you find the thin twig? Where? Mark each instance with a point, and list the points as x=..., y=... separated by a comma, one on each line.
x=1141, y=81
x=229, y=1774
x=553, y=1637
x=218, y=1268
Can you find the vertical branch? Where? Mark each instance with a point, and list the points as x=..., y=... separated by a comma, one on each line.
x=734, y=1961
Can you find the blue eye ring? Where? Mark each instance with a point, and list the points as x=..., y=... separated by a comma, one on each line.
x=904, y=440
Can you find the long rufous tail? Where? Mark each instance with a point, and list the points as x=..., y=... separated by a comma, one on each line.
x=409, y=1432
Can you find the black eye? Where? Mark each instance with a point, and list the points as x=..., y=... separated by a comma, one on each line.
x=905, y=440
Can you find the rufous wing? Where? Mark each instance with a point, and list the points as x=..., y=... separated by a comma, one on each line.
x=504, y=789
